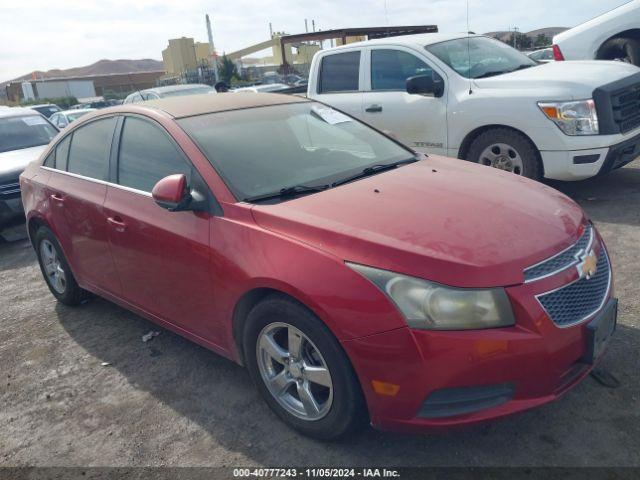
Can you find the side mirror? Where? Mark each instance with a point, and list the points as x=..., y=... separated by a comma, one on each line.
x=425, y=85
x=172, y=193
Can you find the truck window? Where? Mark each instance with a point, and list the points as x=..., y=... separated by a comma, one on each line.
x=340, y=72
x=391, y=68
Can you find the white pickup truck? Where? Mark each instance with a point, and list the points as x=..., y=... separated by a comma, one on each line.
x=475, y=98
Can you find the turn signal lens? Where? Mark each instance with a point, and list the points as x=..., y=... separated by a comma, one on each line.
x=384, y=388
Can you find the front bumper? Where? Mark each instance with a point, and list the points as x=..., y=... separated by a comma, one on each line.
x=11, y=209
x=444, y=379
x=582, y=164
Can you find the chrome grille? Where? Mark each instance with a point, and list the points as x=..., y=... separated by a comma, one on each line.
x=10, y=189
x=579, y=300
x=561, y=261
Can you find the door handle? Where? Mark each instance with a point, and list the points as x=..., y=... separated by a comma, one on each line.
x=57, y=198
x=373, y=108
x=117, y=223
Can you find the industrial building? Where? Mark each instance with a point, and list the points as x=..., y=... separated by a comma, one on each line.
x=82, y=87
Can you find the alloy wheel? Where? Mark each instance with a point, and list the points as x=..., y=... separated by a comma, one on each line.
x=53, y=268
x=294, y=371
x=503, y=157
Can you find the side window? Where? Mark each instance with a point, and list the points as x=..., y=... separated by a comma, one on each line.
x=340, y=72
x=147, y=155
x=90, y=146
x=50, y=161
x=62, y=152
x=391, y=68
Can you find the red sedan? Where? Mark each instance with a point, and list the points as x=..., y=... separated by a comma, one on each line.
x=358, y=281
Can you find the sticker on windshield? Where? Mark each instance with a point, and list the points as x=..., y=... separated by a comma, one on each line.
x=329, y=115
x=34, y=120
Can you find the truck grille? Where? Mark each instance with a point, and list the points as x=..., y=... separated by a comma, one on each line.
x=10, y=190
x=626, y=108
x=579, y=300
x=562, y=260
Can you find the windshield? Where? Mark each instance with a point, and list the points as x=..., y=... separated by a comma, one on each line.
x=262, y=150
x=187, y=91
x=48, y=110
x=477, y=57
x=24, y=132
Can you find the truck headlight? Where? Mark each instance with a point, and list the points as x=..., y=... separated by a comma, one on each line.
x=431, y=306
x=573, y=118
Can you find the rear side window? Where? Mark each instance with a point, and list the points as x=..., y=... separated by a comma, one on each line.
x=391, y=68
x=340, y=72
x=147, y=155
x=62, y=153
x=90, y=147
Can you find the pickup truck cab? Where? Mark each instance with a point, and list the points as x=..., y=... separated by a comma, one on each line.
x=475, y=98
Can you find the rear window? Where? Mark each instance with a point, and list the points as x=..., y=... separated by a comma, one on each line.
x=90, y=148
x=25, y=132
x=340, y=72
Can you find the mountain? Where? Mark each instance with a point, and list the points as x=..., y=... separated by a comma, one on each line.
x=101, y=67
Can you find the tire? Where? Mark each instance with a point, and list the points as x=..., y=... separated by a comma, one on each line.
x=624, y=49
x=341, y=409
x=67, y=290
x=496, y=148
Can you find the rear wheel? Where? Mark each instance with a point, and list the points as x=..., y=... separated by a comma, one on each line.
x=506, y=150
x=623, y=49
x=55, y=269
x=301, y=371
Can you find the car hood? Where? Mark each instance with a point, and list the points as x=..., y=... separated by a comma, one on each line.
x=561, y=80
x=440, y=219
x=13, y=162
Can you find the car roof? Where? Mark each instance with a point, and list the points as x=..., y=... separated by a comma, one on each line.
x=17, y=112
x=419, y=40
x=180, y=107
x=175, y=88
x=75, y=110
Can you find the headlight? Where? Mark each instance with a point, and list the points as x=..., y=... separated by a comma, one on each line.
x=573, y=118
x=430, y=306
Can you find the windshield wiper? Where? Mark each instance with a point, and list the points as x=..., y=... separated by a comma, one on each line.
x=287, y=192
x=492, y=73
x=372, y=170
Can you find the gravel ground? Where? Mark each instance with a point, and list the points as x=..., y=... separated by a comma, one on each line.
x=171, y=402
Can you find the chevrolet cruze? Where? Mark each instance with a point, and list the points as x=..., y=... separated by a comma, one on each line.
x=359, y=282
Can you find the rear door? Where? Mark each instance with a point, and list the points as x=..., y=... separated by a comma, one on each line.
x=162, y=257
x=339, y=81
x=77, y=190
x=419, y=121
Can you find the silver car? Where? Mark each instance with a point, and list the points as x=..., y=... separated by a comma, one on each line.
x=24, y=133
x=64, y=118
x=170, y=91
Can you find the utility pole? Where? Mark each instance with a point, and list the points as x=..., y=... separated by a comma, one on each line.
x=212, y=50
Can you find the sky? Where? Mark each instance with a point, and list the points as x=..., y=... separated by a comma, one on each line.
x=41, y=34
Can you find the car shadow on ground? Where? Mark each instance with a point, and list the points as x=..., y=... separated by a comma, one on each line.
x=219, y=396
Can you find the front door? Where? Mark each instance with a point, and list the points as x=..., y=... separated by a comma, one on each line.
x=418, y=121
x=338, y=85
x=162, y=257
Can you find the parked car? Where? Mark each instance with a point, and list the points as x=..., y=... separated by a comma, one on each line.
x=544, y=55
x=46, y=109
x=475, y=98
x=357, y=280
x=266, y=88
x=64, y=118
x=23, y=135
x=614, y=35
x=169, y=91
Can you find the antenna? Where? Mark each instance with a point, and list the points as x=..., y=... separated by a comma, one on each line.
x=469, y=51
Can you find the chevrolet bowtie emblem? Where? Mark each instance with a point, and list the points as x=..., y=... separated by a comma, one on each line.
x=588, y=265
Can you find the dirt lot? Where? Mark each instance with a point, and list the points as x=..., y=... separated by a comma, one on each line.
x=170, y=402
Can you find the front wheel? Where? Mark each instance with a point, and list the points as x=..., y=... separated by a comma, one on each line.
x=301, y=371
x=506, y=150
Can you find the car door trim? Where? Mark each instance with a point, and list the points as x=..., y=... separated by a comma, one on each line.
x=100, y=182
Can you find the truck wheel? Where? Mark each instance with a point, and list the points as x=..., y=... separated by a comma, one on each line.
x=506, y=150
x=55, y=269
x=623, y=49
x=301, y=371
